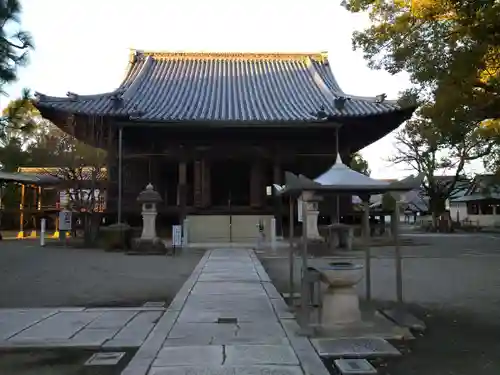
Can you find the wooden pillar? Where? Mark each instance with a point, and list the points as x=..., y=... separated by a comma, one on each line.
x=181, y=190
x=256, y=188
x=39, y=198
x=206, y=196
x=35, y=207
x=21, y=212
x=197, y=191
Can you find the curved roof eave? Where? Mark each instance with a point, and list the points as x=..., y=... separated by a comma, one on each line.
x=161, y=87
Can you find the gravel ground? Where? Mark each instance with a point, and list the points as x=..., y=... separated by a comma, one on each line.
x=31, y=276
x=453, y=283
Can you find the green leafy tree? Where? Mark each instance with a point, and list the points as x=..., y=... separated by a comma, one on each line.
x=14, y=43
x=422, y=146
x=359, y=164
x=450, y=48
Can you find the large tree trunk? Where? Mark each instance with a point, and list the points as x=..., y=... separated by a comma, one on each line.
x=437, y=208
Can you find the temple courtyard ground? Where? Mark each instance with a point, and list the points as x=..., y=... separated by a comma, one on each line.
x=31, y=276
x=451, y=281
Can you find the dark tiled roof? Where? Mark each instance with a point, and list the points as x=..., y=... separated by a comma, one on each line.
x=250, y=87
x=29, y=178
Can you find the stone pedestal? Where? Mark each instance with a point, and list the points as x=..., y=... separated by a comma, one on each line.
x=312, y=225
x=312, y=215
x=340, y=306
x=148, y=225
x=149, y=241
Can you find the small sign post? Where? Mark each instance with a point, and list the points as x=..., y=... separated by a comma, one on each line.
x=273, y=233
x=176, y=236
x=185, y=230
x=65, y=223
x=43, y=224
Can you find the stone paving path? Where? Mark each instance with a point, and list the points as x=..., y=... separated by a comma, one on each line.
x=77, y=327
x=228, y=318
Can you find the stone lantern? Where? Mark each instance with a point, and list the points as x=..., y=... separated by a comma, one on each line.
x=148, y=199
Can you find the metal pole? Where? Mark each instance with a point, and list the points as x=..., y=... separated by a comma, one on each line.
x=291, y=285
x=338, y=153
x=366, y=240
x=120, y=173
x=397, y=256
x=43, y=225
x=304, y=293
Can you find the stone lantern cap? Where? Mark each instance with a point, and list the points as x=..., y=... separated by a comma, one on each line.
x=149, y=195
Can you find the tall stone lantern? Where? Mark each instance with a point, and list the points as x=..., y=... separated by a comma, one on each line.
x=148, y=199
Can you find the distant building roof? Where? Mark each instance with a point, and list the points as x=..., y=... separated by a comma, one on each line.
x=61, y=173
x=227, y=87
x=28, y=178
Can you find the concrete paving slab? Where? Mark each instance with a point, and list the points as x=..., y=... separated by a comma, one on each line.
x=372, y=325
x=260, y=355
x=189, y=356
x=271, y=290
x=229, y=303
x=247, y=340
x=112, y=319
x=227, y=370
x=404, y=319
x=354, y=367
x=13, y=321
x=105, y=359
x=62, y=325
x=202, y=330
x=225, y=334
x=281, y=309
x=355, y=348
x=223, y=276
x=135, y=332
x=308, y=357
x=105, y=327
x=189, y=315
x=100, y=335
x=225, y=288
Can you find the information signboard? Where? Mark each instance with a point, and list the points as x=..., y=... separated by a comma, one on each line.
x=65, y=220
x=177, y=235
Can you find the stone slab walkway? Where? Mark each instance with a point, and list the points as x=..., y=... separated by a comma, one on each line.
x=228, y=318
x=77, y=327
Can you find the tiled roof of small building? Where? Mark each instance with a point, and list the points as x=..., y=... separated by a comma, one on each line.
x=62, y=173
x=236, y=87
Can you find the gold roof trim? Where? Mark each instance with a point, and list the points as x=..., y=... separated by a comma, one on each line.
x=316, y=56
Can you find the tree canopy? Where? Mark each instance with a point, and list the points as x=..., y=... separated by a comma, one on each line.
x=450, y=48
x=359, y=164
x=14, y=43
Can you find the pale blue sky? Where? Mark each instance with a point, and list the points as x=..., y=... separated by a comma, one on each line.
x=83, y=46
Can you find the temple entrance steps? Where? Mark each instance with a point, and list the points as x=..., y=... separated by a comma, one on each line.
x=227, y=228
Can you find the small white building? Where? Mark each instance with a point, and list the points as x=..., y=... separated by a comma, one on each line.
x=480, y=205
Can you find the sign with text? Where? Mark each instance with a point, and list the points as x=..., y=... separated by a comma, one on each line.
x=65, y=220
x=177, y=235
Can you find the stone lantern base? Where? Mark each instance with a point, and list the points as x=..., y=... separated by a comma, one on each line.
x=148, y=247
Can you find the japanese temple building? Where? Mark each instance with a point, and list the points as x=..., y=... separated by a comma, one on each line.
x=211, y=131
